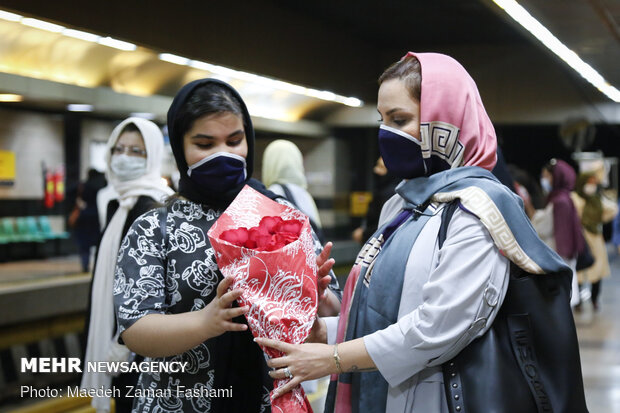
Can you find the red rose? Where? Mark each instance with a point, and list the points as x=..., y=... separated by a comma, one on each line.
x=270, y=223
x=250, y=243
x=285, y=238
x=237, y=236
x=255, y=236
x=263, y=241
x=291, y=226
x=272, y=233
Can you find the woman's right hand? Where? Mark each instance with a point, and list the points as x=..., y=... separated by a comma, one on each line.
x=219, y=313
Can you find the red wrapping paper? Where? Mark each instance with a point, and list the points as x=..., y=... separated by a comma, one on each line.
x=280, y=286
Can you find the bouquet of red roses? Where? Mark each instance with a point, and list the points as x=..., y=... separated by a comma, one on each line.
x=269, y=250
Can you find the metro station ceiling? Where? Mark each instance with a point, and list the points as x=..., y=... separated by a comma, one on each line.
x=336, y=46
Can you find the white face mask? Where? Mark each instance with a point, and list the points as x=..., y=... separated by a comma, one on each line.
x=589, y=189
x=546, y=185
x=127, y=167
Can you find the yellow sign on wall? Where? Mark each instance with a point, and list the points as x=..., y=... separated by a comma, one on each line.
x=359, y=203
x=7, y=167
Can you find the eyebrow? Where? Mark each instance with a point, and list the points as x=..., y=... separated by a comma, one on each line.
x=203, y=136
x=389, y=112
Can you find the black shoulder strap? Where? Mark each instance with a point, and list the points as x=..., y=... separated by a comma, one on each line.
x=288, y=194
x=446, y=216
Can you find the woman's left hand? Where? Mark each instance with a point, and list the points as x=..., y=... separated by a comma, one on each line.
x=324, y=264
x=304, y=361
x=329, y=304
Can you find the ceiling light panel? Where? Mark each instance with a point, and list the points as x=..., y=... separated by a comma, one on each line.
x=10, y=97
x=12, y=17
x=79, y=107
x=40, y=24
x=525, y=19
x=78, y=34
x=266, y=97
x=117, y=44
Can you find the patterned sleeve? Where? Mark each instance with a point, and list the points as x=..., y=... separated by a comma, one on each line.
x=333, y=284
x=139, y=281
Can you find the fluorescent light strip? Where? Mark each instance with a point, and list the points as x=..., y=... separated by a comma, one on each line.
x=40, y=24
x=521, y=16
x=79, y=107
x=10, y=97
x=117, y=44
x=78, y=34
x=225, y=73
x=12, y=17
x=144, y=115
x=172, y=58
x=219, y=71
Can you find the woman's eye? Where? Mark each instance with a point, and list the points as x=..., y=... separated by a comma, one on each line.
x=235, y=142
x=399, y=122
x=204, y=145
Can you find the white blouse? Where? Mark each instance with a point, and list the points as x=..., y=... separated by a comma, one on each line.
x=449, y=297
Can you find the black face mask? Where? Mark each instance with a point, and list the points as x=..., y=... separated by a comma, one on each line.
x=219, y=172
x=401, y=153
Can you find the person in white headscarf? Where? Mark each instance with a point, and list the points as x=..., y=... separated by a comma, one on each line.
x=133, y=157
x=283, y=173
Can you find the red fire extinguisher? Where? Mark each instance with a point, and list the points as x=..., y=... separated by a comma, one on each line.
x=59, y=184
x=48, y=198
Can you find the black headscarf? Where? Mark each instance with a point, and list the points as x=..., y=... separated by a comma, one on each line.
x=190, y=189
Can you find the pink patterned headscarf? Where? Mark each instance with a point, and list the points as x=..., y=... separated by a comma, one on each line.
x=454, y=125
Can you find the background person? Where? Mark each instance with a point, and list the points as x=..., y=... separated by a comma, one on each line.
x=283, y=174
x=526, y=189
x=384, y=186
x=559, y=224
x=133, y=158
x=594, y=211
x=84, y=218
x=615, y=231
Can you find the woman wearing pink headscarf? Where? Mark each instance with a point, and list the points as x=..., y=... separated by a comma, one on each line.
x=410, y=304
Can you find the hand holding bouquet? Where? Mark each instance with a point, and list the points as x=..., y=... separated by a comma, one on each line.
x=269, y=250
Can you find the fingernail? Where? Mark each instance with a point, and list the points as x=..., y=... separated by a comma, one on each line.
x=256, y=339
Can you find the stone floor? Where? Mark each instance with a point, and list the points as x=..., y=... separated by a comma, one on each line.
x=599, y=341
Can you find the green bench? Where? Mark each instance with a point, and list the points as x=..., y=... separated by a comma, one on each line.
x=28, y=237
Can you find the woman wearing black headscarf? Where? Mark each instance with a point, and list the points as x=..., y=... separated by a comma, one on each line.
x=171, y=300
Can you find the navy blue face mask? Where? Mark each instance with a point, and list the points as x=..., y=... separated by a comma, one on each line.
x=219, y=172
x=401, y=153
